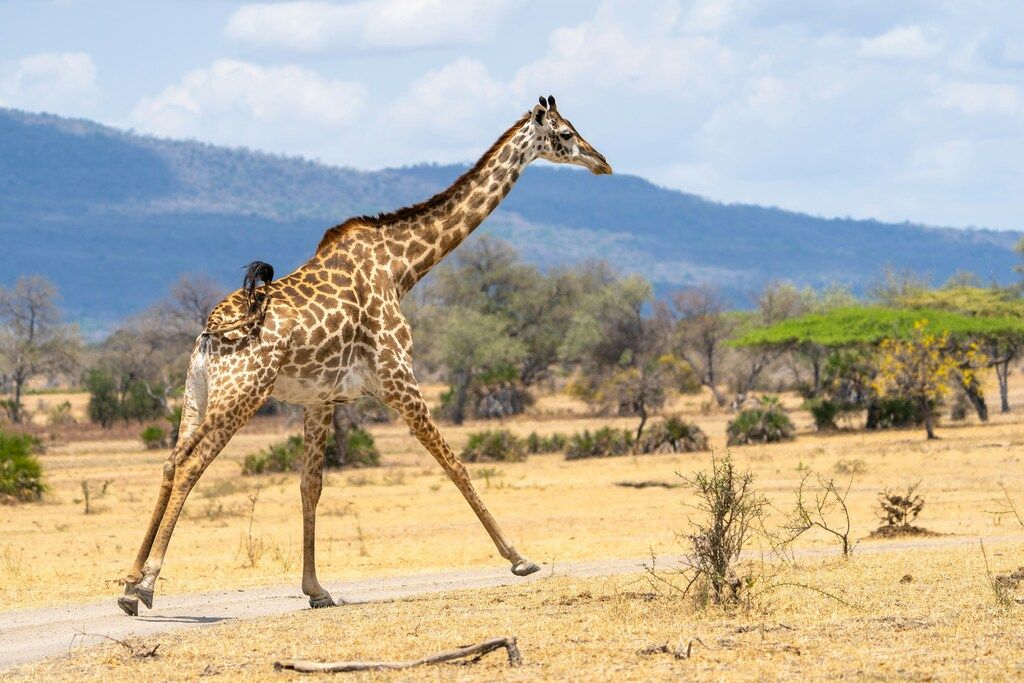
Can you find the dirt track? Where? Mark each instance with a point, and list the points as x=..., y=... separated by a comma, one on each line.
x=27, y=635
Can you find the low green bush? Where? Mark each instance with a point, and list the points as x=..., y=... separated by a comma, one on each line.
x=360, y=450
x=154, y=437
x=286, y=456
x=824, y=413
x=552, y=443
x=896, y=412
x=283, y=456
x=497, y=445
x=21, y=475
x=601, y=443
x=767, y=423
x=674, y=435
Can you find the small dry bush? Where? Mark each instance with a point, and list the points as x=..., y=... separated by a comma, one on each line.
x=730, y=512
x=897, y=512
x=822, y=507
x=91, y=491
x=496, y=445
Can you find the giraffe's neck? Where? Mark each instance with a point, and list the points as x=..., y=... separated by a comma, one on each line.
x=419, y=241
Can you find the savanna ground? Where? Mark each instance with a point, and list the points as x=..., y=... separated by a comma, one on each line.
x=922, y=611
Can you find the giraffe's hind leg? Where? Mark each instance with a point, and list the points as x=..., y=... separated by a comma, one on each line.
x=228, y=410
x=317, y=422
x=193, y=405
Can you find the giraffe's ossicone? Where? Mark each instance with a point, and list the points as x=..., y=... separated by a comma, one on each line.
x=333, y=331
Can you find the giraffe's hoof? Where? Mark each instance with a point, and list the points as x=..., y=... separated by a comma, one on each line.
x=130, y=605
x=146, y=595
x=321, y=601
x=525, y=568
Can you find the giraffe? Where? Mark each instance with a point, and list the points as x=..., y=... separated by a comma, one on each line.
x=332, y=331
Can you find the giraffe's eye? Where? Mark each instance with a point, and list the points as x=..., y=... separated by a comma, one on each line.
x=565, y=135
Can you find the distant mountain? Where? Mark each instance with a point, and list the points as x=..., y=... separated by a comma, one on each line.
x=113, y=218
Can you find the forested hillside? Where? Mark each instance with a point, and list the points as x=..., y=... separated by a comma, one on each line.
x=113, y=218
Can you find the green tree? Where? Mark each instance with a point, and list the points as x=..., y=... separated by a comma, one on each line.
x=625, y=354
x=470, y=344
x=487, y=281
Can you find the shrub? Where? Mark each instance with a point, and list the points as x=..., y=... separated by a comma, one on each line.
x=21, y=475
x=824, y=413
x=767, y=423
x=731, y=511
x=896, y=412
x=60, y=415
x=498, y=445
x=535, y=443
x=602, y=443
x=154, y=437
x=674, y=435
x=283, y=456
x=900, y=509
x=359, y=451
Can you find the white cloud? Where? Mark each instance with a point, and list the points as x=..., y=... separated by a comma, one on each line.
x=62, y=82
x=646, y=48
x=452, y=101
x=902, y=42
x=314, y=26
x=976, y=99
x=241, y=103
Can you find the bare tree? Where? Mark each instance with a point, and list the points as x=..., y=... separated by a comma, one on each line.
x=33, y=338
x=190, y=302
x=702, y=329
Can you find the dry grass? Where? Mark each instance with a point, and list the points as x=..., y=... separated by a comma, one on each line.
x=941, y=623
x=406, y=517
x=913, y=614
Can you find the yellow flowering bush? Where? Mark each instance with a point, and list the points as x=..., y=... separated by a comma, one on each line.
x=924, y=366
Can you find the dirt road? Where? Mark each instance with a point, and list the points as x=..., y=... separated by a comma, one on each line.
x=26, y=635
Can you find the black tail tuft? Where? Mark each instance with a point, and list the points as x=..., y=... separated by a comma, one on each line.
x=255, y=273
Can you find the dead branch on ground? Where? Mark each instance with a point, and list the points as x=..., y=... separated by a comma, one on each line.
x=475, y=651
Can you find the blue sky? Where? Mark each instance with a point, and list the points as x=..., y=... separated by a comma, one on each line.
x=899, y=110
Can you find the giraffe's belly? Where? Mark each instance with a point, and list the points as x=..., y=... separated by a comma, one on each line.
x=344, y=385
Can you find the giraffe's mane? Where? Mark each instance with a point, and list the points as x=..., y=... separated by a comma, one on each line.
x=335, y=233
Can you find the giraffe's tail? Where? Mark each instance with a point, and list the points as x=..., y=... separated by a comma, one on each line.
x=255, y=273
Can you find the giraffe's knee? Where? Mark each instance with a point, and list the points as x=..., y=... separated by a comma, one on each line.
x=169, y=469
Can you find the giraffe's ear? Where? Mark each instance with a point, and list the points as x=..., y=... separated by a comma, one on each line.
x=539, y=115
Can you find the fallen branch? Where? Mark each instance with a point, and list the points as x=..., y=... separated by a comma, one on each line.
x=475, y=651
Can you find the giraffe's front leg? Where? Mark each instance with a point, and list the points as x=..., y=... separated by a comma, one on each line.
x=317, y=421
x=401, y=392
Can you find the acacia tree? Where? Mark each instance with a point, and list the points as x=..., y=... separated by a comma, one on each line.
x=922, y=367
x=33, y=338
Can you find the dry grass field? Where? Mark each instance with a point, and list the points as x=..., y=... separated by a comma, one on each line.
x=405, y=517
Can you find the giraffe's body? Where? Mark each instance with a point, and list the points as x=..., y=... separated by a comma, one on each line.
x=333, y=331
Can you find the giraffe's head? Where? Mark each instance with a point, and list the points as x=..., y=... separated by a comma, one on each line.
x=559, y=142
